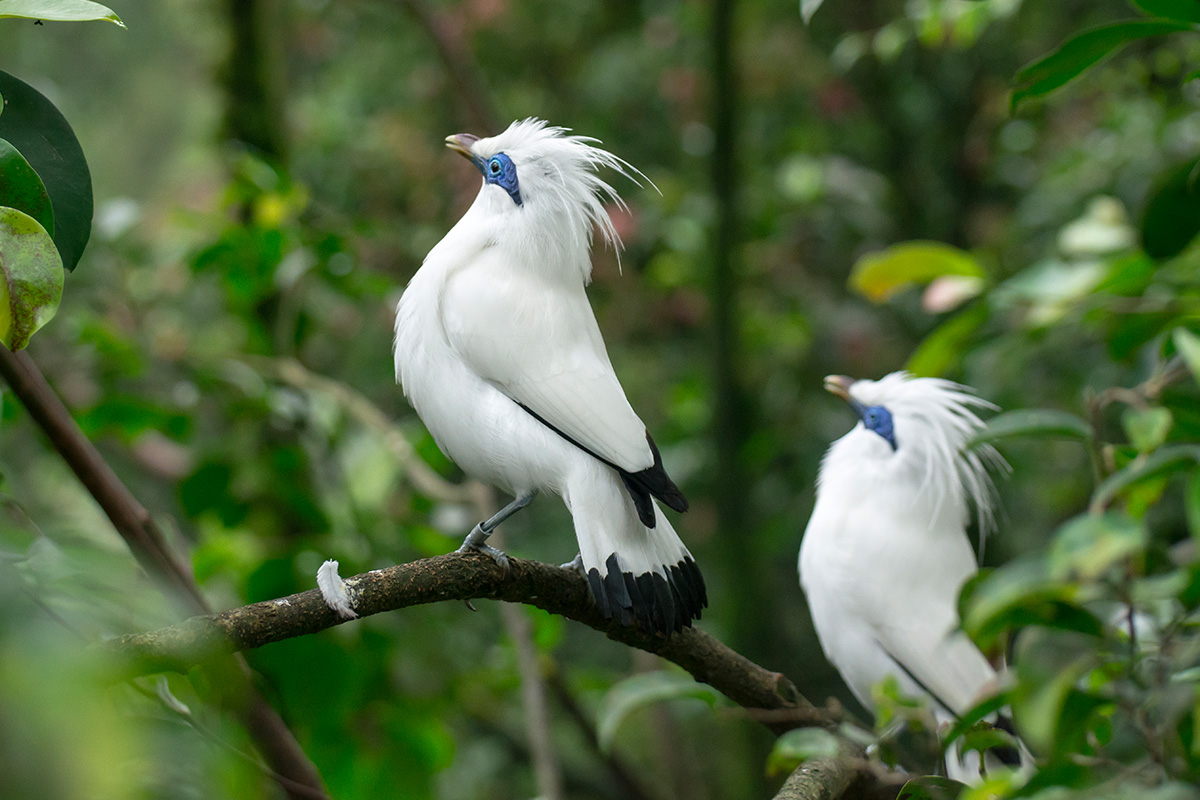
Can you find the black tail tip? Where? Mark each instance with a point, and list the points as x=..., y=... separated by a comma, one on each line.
x=654, y=602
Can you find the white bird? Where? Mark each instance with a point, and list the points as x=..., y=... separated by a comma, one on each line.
x=886, y=550
x=499, y=352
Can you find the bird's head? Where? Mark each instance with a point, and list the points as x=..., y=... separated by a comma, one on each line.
x=914, y=431
x=535, y=174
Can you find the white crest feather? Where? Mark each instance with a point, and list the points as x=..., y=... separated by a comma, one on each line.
x=938, y=417
x=558, y=174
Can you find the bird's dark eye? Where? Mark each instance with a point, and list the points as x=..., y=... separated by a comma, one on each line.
x=494, y=166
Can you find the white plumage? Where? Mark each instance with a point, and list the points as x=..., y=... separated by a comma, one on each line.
x=886, y=552
x=499, y=352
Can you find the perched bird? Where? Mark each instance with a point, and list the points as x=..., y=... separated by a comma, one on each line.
x=886, y=550
x=499, y=352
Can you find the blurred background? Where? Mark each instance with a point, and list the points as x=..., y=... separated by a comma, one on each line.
x=269, y=174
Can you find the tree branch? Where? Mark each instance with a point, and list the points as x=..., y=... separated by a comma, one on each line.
x=148, y=545
x=454, y=576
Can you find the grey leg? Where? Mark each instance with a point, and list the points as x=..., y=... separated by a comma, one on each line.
x=477, y=539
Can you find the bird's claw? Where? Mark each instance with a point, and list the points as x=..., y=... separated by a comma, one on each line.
x=476, y=542
x=575, y=564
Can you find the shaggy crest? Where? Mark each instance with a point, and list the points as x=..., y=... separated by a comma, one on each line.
x=559, y=172
x=937, y=417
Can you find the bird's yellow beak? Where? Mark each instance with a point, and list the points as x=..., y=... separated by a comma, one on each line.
x=461, y=143
x=839, y=385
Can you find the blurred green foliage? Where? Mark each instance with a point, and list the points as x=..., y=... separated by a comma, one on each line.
x=882, y=122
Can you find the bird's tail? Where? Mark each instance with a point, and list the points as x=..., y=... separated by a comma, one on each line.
x=637, y=575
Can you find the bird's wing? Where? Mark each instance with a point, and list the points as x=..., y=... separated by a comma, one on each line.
x=943, y=664
x=538, y=342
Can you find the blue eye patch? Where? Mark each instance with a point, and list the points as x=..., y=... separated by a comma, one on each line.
x=500, y=170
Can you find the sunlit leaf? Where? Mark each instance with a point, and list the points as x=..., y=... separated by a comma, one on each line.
x=22, y=189
x=32, y=277
x=642, y=690
x=35, y=127
x=1044, y=423
x=877, y=276
x=59, y=11
x=1090, y=544
x=1077, y=54
x=1147, y=428
x=1171, y=220
x=800, y=745
x=1182, y=10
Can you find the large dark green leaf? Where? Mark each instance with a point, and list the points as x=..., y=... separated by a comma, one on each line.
x=1081, y=52
x=31, y=277
x=1172, y=217
x=35, y=127
x=1182, y=10
x=59, y=10
x=22, y=189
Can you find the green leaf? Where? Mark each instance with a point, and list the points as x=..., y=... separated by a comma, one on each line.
x=1147, y=428
x=1187, y=345
x=35, y=127
x=800, y=745
x=974, y=715
x=877, y=276
x=1090, y=544
x=1053, y=713
x=943, y=348
x=22, y=189
x=1077, y=54
x=1181, y=10
x=931, y=787
x=1021, y=593
x=642, y=690
x=32, y=277
x=59, y=11
x=1045, y=423
x=1163, y=461
x=1171, y=220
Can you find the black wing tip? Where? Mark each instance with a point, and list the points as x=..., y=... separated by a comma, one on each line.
x=654, y=602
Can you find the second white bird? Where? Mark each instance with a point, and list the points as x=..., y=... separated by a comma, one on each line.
x=886, y=551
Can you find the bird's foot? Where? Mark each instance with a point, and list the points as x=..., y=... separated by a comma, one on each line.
x=476, y=541
x=334, y=591
x=575, y=564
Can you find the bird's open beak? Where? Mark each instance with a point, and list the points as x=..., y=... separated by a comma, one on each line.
x=461, y=143
x=839, y=385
